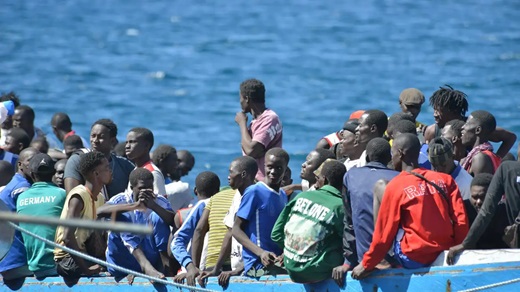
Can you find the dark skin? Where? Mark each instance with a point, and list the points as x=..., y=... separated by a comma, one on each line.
x=95, y=180
x=274, y=170
x=22, y=119
x=323, y=144
x=238, y=180
x=101, y=141
x=473, y=135
x=250, y=147
x=137, y=149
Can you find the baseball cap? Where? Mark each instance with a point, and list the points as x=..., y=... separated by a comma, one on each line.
x=41, y=163
x=350, y=126
x=356, y=115
x=440, y=150
x=411, y=96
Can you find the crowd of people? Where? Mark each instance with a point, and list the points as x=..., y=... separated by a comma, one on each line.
x=381, y=192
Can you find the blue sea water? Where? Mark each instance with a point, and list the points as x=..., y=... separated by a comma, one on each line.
x=175, y=66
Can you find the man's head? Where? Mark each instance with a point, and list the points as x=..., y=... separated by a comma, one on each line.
x=17, y=140
x=207, y=184
x=378, y=150
x=242, y=172
x=440, y=154
x=448, y=104
x=24, y=118
x=165, y=157
x=6, y=172
x=42, y=168
x=410, y=101
x=348, y=138
x=312, y=162
x=276, y=162
x=480, y=124
x=404, y=126
x=94, y=167
x=11, y=96
x=59, y=167
x=139, y=142
x=287, y=180
x=141, y=179
x=394, y=119
x=332, y=174
x=23, y=161
x=252, y=91
x=405, y=150
x=452, y=131
x=41, y=144
x=103, y=135
x=186, y=162
x=478, y=189
x=71, y=144
x=61, y=125
x=372, y=124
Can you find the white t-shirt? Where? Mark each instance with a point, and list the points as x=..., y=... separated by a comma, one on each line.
x=229, y=220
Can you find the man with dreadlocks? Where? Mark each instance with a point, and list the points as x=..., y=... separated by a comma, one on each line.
x=451, y=104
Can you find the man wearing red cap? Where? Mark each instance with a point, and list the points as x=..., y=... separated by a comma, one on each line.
x=332, y=139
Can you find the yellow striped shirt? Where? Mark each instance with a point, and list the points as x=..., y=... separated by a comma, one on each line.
x=218, y=206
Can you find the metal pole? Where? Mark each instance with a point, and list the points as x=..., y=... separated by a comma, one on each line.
x=79, y=223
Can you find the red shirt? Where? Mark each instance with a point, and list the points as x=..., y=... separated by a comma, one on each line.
x=423, y=214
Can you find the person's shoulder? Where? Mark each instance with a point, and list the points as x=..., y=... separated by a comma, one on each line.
x=123, y=160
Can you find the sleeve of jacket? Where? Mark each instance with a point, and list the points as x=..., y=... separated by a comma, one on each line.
x=349, y=238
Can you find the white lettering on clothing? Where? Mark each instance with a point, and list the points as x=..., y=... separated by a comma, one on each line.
x=311, y=209
x=37, y=200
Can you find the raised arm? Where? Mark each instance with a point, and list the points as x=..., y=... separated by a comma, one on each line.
x=507, y=138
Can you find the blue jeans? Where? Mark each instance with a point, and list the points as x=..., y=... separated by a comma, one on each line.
x=406, y=262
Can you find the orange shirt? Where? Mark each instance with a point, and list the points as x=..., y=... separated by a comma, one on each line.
x=424, y=215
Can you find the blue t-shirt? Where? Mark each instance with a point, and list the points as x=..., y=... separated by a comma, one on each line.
x=424, y=160
x=260, y=206
x=183, y=236
x=16, y=256
x=9, y=157
x=121, y=245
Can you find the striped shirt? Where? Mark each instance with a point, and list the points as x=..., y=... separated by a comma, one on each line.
x=218, y=206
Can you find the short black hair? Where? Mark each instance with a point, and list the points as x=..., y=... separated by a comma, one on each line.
x=89, y=161
x=334, y=171
x=207, y=183
x=190, y=159
x=408, y=142
x=21, y=136
x=10, y=96
x=61, y=121
x=254, y=89
x=119, y=149
x=378, y=150
x=161, y=152
x=109, y=124
x=486, y=120
x=396, y=117
x=73, y=140
x=454, y=100
x=482, y=180
x=247, y=164
x=278, y=152
x=41, y=140
x=28, y=110
x=405, y=126
x=378, y=118
x=456, y=126
x=140, y=174
x=324, y=154
x=144, y=133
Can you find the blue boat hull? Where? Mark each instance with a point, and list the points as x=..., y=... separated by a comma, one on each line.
x=501, y=277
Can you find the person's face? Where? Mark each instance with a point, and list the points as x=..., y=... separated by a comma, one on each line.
x=12, y=145
x=104, y=172
x=478, y=194
x=414, y=109
x=135, y=146
x=100, y=139
x=363, y=131
x=142, y=186
x=244, y=104
x=396, y=157
x=235, y=176
x=21, y=120
x=441, y=116
x=58, y=176
x=171, y=163
x=309, y=166
x=348, y=142
x=449, y=135
x=183, y=167
x=469, y=132
x=320, y=181
x=274, y=170
x=23, y=164
x=287, y=180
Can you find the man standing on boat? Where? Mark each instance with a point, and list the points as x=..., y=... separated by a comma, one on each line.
x=265, y=131
x=421, y=213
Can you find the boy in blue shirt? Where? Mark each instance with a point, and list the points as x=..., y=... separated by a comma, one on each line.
x=259, y=209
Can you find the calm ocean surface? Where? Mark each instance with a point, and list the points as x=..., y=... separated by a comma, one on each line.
x=175, y=66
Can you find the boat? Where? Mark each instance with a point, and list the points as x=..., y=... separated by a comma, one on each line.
x=476, y=270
